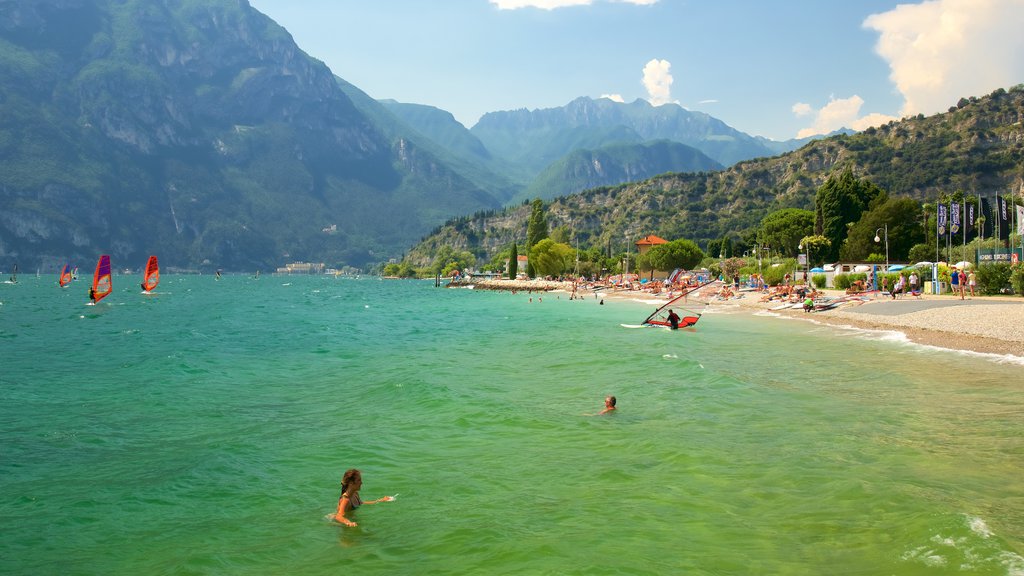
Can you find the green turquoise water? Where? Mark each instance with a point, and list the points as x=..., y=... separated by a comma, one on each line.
x=204, y=430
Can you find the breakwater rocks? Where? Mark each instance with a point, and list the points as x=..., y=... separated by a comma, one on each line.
x=509, y=285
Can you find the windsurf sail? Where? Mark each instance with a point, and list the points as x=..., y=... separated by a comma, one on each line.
x=65, y=276
x=684, y=316
x=101, y=281
x=14, y=275
x=152, y=277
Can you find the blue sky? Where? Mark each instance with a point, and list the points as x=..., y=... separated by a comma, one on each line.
x=774, y=68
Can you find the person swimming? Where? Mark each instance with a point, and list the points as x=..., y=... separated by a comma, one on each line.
x=349, y=500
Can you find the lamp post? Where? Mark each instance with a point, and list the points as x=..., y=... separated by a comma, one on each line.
x=626, y=271
x=807, y=257
x=877, y=239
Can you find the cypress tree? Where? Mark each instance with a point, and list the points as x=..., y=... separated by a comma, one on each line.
x=513, y=263
x=536, y=230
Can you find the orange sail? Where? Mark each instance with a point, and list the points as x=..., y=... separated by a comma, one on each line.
x=65, y=276
x=152, y=278
x=101, y=282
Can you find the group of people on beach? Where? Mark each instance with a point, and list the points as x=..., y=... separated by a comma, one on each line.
x=352, y=482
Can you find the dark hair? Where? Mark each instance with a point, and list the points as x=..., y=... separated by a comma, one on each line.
x=612, y=400
x=351, y=476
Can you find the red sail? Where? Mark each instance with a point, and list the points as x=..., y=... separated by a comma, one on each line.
x=65, y=276
x=152, y=278
x=101, y=282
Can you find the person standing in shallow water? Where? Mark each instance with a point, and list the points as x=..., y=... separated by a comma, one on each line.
x=673, y=319
x=349, y=500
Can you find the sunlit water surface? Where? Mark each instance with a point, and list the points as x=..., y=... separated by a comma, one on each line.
x=204, y=430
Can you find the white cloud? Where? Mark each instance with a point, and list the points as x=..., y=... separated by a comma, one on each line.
x=613, y=97
x=838, y=113
x=553, y=4
x=942, y=50
x=711, y=101
x=658, y=81
x=802, y=109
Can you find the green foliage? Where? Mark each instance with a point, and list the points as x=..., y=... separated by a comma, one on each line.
x=815, y=247
x=536, y=230
x=784, y=228
x=449, y=259
x=844, y=281
x=551, y=258
x=675, y=254
x=840, y=201
x=921, y=253
x=900, y=216
x=993, y=278
x=1017, y=278
x=731, y=267
x=819, y=280
x=774, y=275
x=513, y=262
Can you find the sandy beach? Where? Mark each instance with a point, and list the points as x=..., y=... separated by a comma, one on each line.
x=985, y=324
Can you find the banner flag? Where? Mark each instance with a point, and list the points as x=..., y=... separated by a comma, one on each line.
x=954, y=216
x=986, y=212
x=1020, y=220
x=1004, y=217
x=940, y=218
x=969, y=222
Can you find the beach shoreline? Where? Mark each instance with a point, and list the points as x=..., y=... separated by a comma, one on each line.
x=982, y=324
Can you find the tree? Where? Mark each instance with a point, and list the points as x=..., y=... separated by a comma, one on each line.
x=840, y=202
x=536, y=230
x=675, y=254
x=814, y=247
x=783, y=229
x=551, y=258
x=513, y=262
x=731, y=267
x=448, y=259
x=900, y=216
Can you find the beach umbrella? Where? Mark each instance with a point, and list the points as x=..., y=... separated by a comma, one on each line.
x=816, y=269
x=963, y=264
x=861, y=268
x=896, y=268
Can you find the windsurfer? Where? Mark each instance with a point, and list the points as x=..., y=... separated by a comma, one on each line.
x=92, y=295
x=673, y=319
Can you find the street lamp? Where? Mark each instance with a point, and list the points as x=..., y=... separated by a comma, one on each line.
x=807, y=257
x=626, y=271
x=877, y=239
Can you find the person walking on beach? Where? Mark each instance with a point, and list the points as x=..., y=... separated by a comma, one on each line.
x=349, y=500
x=963, y=283
x=954, y=281
x=972, y=281
x=673, y=319
x=913, y=282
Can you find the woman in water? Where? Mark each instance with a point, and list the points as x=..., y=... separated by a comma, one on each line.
x=349, y=500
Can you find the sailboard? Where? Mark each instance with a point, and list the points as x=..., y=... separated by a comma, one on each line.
x=102, y=285
x=65, y=276
x=152, y=277
x=688, y=318
x=14, y=276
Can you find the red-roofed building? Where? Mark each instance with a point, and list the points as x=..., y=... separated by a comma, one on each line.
x=647, y=242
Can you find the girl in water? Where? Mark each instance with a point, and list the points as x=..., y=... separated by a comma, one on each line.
x=349, y=500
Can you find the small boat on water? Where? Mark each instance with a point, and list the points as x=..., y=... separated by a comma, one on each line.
x=65, y=276
x=14, y=276
x=665, y=315
x=102, y=284
x=152, y=276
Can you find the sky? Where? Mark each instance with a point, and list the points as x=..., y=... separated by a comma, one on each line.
x=775, y=68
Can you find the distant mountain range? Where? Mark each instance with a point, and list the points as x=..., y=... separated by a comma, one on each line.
x=975, y=148
x=199, y=131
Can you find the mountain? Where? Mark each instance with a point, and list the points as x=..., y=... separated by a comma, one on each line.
x=977, y=147
x=201, y=132
x=615, y=164
x=530, y=140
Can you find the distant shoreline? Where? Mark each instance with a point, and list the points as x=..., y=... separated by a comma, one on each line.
x=983, y=324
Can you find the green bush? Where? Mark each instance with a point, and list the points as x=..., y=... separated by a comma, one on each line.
x=992, y=278
x=844, y=281
x=819, y=280
x=773, y=275
x=1017, y=278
